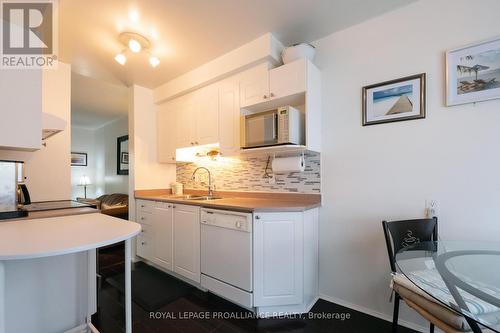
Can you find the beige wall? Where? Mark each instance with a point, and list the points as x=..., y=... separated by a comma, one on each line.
x=388, y=171
x=48, y=170
x=146, y=172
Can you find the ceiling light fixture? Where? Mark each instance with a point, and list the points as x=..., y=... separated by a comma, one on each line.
x=154, y=61
x=121, y=59
x=134, y=46
x=135, y=43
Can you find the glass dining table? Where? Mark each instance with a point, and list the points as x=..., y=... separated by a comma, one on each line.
x=461, y=275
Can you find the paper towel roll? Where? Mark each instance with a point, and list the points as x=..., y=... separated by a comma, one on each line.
x=288, y=164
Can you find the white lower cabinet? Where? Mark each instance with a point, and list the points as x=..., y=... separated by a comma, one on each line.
x=163, y=235
x=285, y=261
x=278, y=260
x=144, y=243
x=170, y=237
x=284, y=248
x=187, y=241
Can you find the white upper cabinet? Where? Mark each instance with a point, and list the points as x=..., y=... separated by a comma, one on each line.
x=166, y=124
x=229, y=116
x=289, y=79
x=185, y=126
x=21, y=109
x=207, y=115
x=213, y=114
x=254, y=85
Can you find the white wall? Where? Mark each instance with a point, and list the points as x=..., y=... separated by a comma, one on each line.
x=106, y=149
x=146, y=172
x=388, y=171
x=83, y=141
x=100, y=146
x=48, y=169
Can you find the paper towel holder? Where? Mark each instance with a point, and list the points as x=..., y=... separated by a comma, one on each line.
x=301, y=155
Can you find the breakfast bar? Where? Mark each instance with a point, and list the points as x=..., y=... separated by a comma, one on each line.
x=27, y=241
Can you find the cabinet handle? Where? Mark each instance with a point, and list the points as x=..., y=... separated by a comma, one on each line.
x=169, y=206
x=257, y=217
x=196, y=142
x=271, y=95
x=192, y=143
x=173, y=206
x=142, y=218
x=142, y=206
x=265, y=96
x=143, y=243
x=173, y=158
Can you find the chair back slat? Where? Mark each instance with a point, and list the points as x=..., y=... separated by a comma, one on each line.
x=401, y=234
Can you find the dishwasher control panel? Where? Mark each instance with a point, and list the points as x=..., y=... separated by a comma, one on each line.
x=227, y=219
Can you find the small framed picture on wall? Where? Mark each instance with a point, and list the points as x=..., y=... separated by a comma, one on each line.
x=78, y=159
x=395, y=100
x=473, y=73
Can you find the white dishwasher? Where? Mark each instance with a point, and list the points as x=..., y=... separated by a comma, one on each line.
x=226, y=254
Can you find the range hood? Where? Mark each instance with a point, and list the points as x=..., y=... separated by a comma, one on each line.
x=51, y=125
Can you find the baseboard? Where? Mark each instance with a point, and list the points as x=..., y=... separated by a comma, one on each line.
x=373, y=313
x=312, y=304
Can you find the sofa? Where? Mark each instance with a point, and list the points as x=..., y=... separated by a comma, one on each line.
x=115, y=204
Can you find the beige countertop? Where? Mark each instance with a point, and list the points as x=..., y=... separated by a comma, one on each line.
x=241, y=201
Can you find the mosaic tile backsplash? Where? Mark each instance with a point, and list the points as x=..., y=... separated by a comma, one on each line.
x=247, y=174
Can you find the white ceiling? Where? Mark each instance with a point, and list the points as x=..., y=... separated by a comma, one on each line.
x=96, y=102
x=188, y=33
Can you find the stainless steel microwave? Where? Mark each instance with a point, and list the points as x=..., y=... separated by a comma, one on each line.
x=282, y=126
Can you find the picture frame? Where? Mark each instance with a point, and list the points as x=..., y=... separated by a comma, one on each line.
x=124, y=158
x=79, y=159
x=394, y=100
x=473, y=73
x=121, y=155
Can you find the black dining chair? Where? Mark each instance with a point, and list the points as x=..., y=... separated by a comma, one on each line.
x=401, y=234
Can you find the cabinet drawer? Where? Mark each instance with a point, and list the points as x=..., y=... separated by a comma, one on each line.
x=146, y=231
x=164, y=205
x=145, y=206
x=144, y=218
x=144, y=247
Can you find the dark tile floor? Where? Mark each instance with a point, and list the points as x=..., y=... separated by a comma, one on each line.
x=214, y=314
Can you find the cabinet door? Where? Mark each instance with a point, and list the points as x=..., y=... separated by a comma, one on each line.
x=184, y=120
x=278, y=259
x=187, y=241
x=207, y=115
x=288, y=79
x=254, y=86
x=229, y=117
x=163, y=235
x=21, y=105
x=166, y=133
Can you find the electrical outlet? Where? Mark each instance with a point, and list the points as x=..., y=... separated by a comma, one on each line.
x=271, y=180
x=431, y=208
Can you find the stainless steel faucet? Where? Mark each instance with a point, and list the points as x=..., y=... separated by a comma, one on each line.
x=210, y=189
